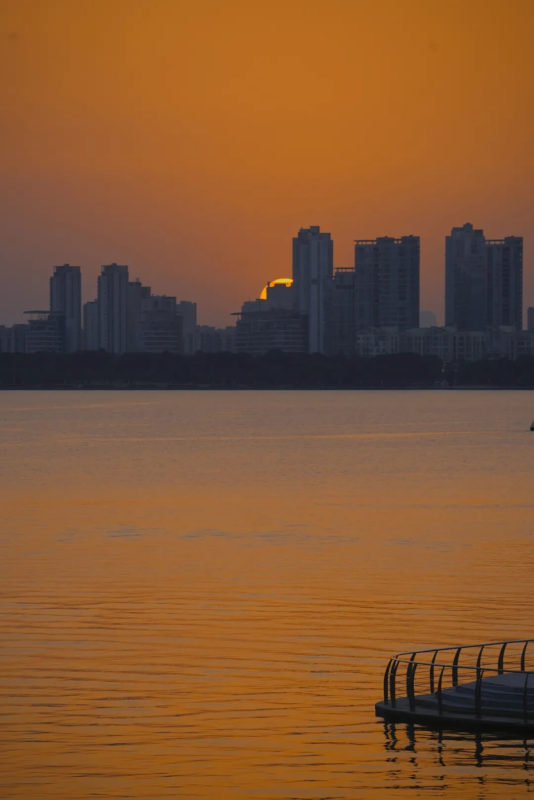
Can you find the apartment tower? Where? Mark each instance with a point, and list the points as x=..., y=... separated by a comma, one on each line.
x=483, y=280
x=387, y=282
x=66, y=302
x=113, y=308
x=313, y=256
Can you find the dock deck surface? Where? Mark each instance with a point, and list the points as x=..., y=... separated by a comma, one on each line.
x=505, y=702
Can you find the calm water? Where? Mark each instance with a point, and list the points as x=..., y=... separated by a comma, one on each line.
x=200, y=590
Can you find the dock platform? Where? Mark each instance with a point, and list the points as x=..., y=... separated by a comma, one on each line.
x=487, y=686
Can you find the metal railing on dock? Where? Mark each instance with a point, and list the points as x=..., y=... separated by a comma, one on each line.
x=433, y=674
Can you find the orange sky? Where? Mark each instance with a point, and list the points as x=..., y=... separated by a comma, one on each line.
x=191, y=140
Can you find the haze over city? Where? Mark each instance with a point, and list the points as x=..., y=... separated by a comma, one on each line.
x=191, y=142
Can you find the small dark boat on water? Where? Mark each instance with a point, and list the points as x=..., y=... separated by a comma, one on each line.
x=486, y=686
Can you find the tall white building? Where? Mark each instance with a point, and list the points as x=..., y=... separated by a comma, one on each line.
x=66, y=301
x=113, y=308
x=313, y=258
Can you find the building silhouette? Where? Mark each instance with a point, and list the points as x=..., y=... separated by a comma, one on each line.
x=504, y=261
x=44, y=332
x=112, y=300
x=465, y=278
x=483, y=280
x=387, y=282
x=343, y=324
x=261, y=329
x=369, y=309
x=160, y=327
x=313, y=256
x=127, y=318
x=66, y=301
x=271, y=322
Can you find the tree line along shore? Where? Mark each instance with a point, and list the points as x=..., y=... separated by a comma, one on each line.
x=273, y=370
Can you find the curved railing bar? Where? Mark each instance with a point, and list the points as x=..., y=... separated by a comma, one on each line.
x=455, y=667
x=410, y=682
x=500, y=662
x=386, y=680
x=440, y=681
x=431, y=676
x=478, y=692
x=392, y=681
x=468, y=646
x=523, y=653
x=525, y=700
x=450, y=666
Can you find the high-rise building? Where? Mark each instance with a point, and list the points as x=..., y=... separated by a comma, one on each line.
x=313, y=257
x=504, y=259
x=66, y=300
x=387, y=282
x=113, y=308
x=343, y=320
x=465, y=278
x=483, y=280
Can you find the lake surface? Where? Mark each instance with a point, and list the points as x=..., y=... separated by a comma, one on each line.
x=200, y=590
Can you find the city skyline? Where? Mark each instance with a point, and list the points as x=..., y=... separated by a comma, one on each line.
x=370, y=308
x=88, y=294
x=210, y=128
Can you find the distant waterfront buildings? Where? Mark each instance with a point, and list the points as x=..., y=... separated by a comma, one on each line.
x=483, y=280
x=373, y=307
x=124, y=317
x=380, y=292
x=369, y=309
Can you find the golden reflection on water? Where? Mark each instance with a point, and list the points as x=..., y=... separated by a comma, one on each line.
x=194, y=609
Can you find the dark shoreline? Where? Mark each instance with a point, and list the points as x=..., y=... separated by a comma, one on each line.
x=274, y=370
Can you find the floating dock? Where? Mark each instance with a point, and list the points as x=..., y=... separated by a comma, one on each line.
x=487, y=686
